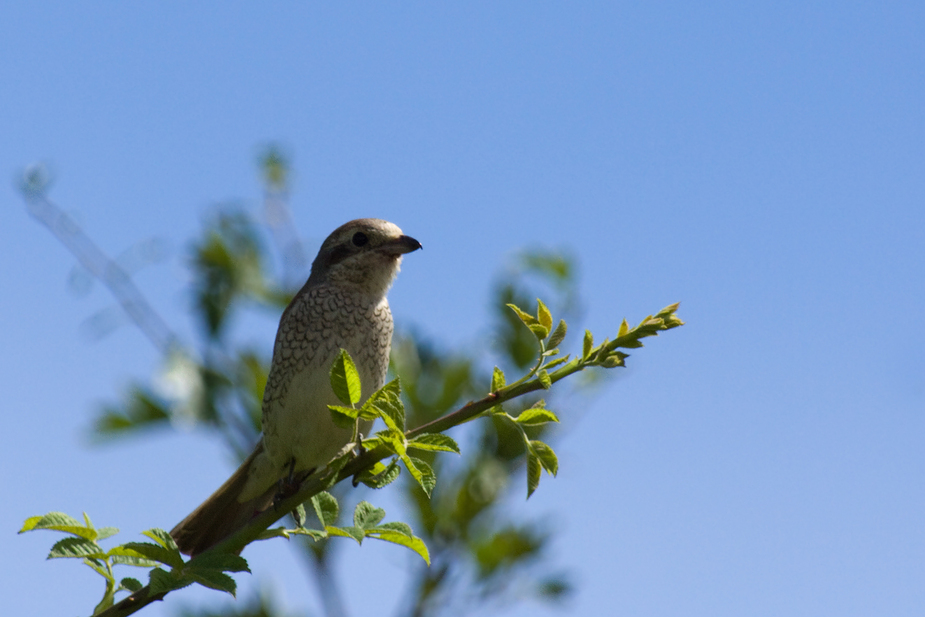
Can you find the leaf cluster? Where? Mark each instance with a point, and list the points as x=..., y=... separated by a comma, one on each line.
x=82, y=543
x=367, y=523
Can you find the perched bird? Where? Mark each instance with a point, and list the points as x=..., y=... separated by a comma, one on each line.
x=343, y=305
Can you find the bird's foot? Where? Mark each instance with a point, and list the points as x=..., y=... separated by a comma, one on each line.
x=290, y=484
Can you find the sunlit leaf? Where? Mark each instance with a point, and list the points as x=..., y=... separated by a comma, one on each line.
x=547, y=457
x=343, y=417
x=366, y=515
x=421, y=472
x=76, y=547
x=624, y=328
x=347, y=532
x=326, y=508
x=414, y=543
x=539, y=330
x=381, y=475
x=525, y=317
x=149, y=550
x=387, y=402
x=345, y=379
x=161, y=537
x=497, y=379
x=557, y=336
x=543, y=315
x=434, y=442
x=536, y=416
x=58, y=521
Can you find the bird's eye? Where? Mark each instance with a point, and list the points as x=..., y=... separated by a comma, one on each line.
x=360, y=239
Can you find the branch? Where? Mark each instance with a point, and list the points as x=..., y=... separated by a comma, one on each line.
x=97, y=263
x=604, y=355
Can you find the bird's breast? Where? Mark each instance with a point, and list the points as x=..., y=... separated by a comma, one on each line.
x=296, y=421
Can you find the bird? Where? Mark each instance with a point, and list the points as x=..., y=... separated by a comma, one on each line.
x=342, y=305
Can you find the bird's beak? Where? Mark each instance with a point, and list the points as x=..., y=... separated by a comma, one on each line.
x=402, y=245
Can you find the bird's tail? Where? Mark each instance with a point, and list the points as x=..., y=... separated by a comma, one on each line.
x=221, y=514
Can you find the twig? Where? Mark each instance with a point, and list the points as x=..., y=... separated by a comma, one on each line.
x=98, y=264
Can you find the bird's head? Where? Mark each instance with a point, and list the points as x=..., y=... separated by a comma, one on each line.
x=365, y=253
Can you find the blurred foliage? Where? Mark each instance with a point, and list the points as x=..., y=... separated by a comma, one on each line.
x=481, y=555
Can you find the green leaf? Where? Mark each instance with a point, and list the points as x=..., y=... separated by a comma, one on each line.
x=556, y=362
x=130, y=584
x=547, y=457
x=347, y=532
x=343, y=417
x=396, y=526
x=58, y=521
x=214, y=579
x=142, y=410
x=421, y=472
x=614, y=360
x=366, y=515
x=624, y=328
x=163, y=538
x=138, y=562
x=393, y=441
x=587, y=345
x=434, y=442
x=381, y=475
x=30, y=523
x=106, y=532
x=76, y=547
x=395, y=537
x=299, y=515
x=128, y=557
x=525, y=317
x=543, y=315
x=225, y=562
x=387, y=403
x=555, y=589
x=544, y=378
x=539, y=331
x=535, y=416
x=326, y=508
x=161, y=581
x=534, y=469
x=557, y=336
x=497, y=379
x=668, y=317
x=345, y=380
x=156, y=552
x=371, y=443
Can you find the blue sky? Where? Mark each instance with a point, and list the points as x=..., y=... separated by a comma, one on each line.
x=762, y=163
